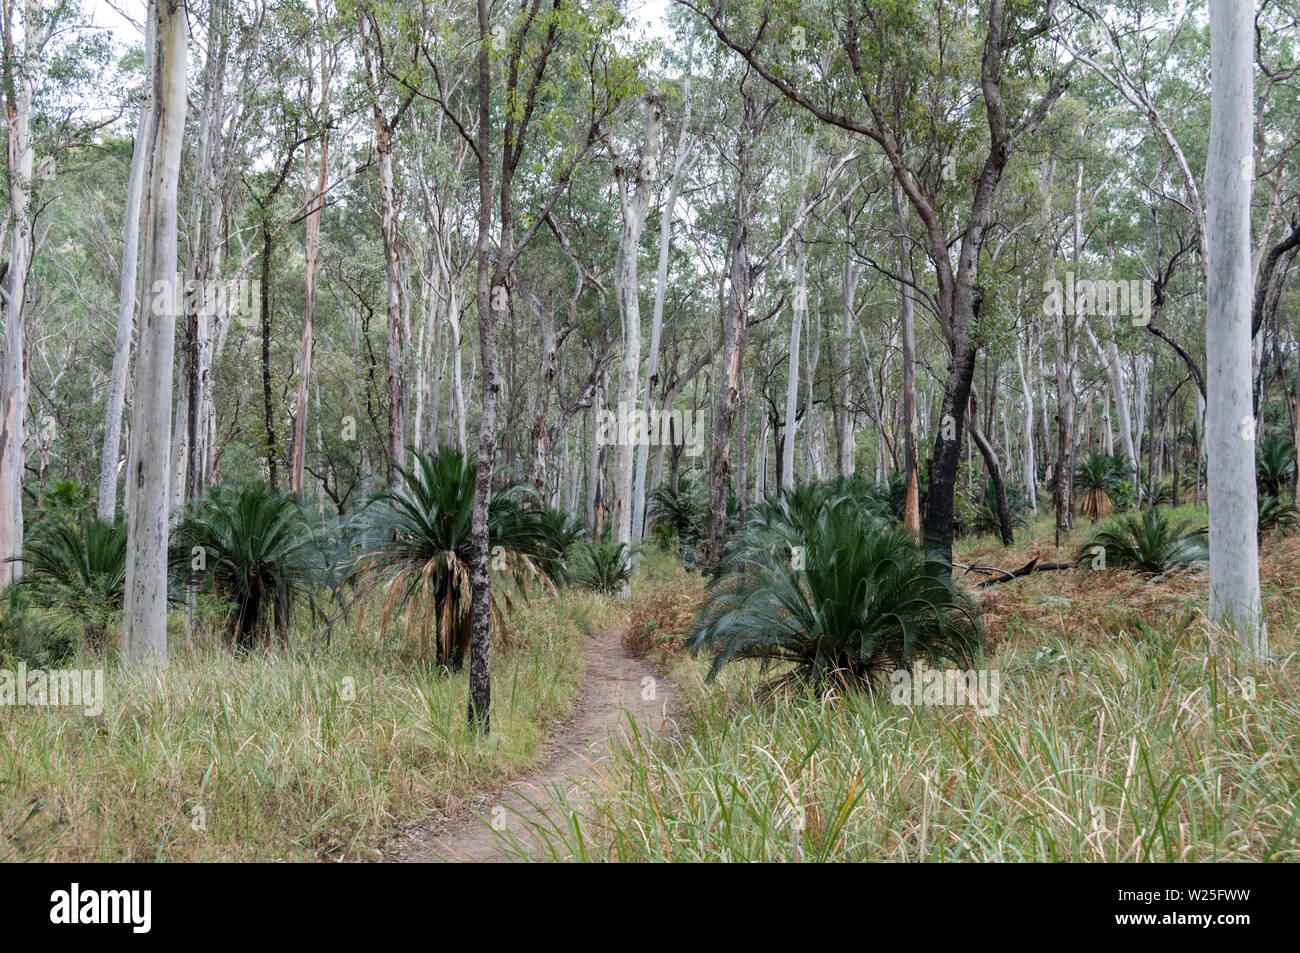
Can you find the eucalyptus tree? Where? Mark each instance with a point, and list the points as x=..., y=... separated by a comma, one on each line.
x=524, y=115
x=109, y=463
x=144, y=619
x=53, y=68
x=389, y=35
x=887, y=72
x=634, y=204
x=322, y=65
x=682, y=161
x=1230, y=422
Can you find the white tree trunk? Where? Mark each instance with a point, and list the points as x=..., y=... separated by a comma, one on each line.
x=144, y=620
x=1030, y=473
x=657, y=322
x=627, y=288
x=311, y=250
x=13, y=389
x=1234, y=557
x=1109, y=358
x=126, y=301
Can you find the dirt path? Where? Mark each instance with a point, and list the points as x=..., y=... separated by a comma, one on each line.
x=613, y=686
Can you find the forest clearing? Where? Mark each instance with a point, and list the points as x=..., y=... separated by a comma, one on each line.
x=693, y=431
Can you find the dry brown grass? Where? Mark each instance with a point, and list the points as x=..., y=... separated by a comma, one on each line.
x=661, y=619
x=1100, y=604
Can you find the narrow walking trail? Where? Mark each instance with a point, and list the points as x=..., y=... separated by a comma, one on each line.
x=615, y=692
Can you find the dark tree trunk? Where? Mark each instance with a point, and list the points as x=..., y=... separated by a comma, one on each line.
x=999, y=484
x=267, y=404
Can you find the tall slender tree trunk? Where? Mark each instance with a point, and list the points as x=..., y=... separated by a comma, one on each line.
x=798, y=315
x=911, y=457
x=661, y=293
x=13, y=390
x=126, y=308
x=395, y=350
x=1235, y=603
x=1030, y=472
x=144, y=619
x=315, y=198
x=488, y=282
x=264, y=309
x=627, y=289
x=726, y=380
x=726, y=403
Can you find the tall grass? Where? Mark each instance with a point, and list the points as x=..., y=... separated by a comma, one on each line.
x=1145, y=752
x=1125, y=739
x=320, y=750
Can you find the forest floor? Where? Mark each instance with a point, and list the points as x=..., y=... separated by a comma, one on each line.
x=621, y=697
x=1120, y=733
x=324, y=749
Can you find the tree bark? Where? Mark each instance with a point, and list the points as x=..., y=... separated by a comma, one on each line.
x=144, y=619
x=311, y=250
x=635, y=203
x=798, y=315
x=661, y=292
x=20, y=79
x=1234, y=557
x=126, y=308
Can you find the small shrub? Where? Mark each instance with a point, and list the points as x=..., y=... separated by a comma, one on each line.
x=1148, y=542
x=31, y=636
x=822, y=584
x=1277, y=514
x=661, y=620
x=253, y=548
x=602, y=567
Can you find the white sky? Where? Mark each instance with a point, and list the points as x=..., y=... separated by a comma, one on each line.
x=117, y=15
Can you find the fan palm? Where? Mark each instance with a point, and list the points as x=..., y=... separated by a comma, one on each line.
x=420, y=545
x=1148, y=542
x=1278, y=514
x=560, y=532
x=604, y=567
x=826, y=587
x=253, y=545
x=81, y=563
x=77, y=566
x=1098, y=475
x=679, y=511
x=1274, y=464
x=986, y=518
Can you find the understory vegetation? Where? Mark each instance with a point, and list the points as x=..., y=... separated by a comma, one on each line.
x=324, y=748
x=875, y=362
x=1121, y=733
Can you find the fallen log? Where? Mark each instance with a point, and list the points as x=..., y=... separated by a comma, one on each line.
x=1032, y=566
